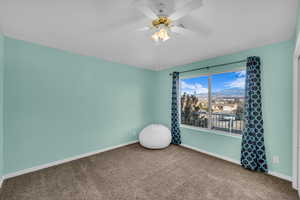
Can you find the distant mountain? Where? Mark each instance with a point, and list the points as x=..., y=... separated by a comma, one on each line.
x=226, y=92
x=230, y=92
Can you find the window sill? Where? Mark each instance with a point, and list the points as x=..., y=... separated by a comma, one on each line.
x=205, y=130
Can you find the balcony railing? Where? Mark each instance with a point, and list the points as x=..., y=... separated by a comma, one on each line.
x=231, y=123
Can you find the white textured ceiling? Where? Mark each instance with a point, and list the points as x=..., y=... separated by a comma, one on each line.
x=88, y=27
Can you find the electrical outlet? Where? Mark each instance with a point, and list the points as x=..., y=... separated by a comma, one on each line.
x=275, y=159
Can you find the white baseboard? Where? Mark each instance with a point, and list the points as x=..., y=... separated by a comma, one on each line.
x=58, y=162
x=211, y=154
x=276, y=174
x=281, y=176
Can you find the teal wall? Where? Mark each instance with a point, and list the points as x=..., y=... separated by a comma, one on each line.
x=277, y=105
x=1, y=103
x=59, y=104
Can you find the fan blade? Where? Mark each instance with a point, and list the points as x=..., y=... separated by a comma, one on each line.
x=144, y=8
x=181, y=30
x=148, y=12
x=127, y=24
x=188, y=7
x=195, y=25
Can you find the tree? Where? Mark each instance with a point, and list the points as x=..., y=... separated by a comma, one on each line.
x=239, y=112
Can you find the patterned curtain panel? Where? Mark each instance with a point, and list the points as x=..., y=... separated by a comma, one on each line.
x=175, y=130
x=253, y=155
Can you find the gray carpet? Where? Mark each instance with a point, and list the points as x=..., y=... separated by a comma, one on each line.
x=133, y=172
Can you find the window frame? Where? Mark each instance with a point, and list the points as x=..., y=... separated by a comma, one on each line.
x=200, y=129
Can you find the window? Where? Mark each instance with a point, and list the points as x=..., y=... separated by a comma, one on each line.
x=214, y=101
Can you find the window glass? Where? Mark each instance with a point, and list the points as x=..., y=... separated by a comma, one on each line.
x=227, y=101
x=194, y=101
x=214, y=101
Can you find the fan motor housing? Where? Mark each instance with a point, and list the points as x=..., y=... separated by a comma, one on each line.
x=161, y=20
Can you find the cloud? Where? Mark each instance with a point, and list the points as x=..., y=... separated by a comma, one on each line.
x=241, y=73
x=193, y=88
x=237, y=83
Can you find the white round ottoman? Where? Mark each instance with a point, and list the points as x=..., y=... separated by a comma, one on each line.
x=155, y=136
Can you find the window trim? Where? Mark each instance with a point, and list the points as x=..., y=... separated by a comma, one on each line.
x=200, y=129
x=211, y=131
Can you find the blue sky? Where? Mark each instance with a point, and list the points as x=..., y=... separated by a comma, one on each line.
x=223, y=81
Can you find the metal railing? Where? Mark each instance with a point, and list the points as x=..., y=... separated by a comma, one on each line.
x=227, y=122
x=231, y=123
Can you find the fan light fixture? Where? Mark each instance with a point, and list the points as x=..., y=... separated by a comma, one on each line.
x=161, y=35
x=162, y=24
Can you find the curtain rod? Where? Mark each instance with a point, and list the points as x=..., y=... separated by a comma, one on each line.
x=211, y=66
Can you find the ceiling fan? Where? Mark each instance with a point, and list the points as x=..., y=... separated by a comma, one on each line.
x=165, y=21
x=160, y=19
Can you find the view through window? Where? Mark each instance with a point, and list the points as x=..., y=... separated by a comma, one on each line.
x=214, y=101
